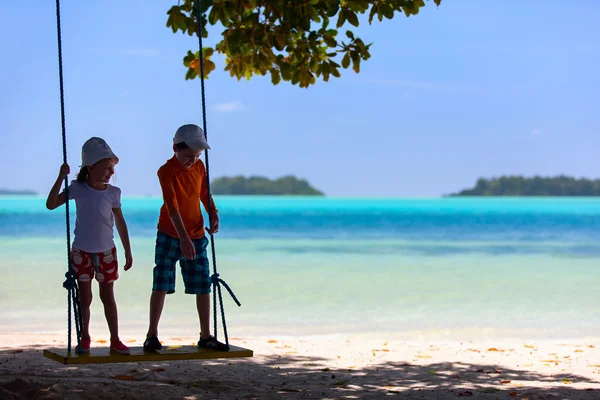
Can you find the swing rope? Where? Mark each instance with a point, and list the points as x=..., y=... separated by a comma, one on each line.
x=70, y=282
x=216, y=281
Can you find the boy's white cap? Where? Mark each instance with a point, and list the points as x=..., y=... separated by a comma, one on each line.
x=94, y=150
x=192, y=135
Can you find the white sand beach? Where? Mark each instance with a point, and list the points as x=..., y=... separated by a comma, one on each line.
x=315, y=367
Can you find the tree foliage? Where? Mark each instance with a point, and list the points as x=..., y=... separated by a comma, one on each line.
x=297, y=41
x=257, y=185
x=536, y=186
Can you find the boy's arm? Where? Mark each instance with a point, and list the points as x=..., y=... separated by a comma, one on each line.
x=187, y=246
x=124, y=235
x=54, y=199
x=210, y=208
x=179, y=226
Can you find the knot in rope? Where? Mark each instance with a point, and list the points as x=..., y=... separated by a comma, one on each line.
x=216, y=281
x=71, y=282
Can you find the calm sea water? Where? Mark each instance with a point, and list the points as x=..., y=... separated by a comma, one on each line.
x=407, y=268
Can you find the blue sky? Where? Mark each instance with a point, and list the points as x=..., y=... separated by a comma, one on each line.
x=469, y=89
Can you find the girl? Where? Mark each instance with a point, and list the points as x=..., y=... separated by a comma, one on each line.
x=94, y=254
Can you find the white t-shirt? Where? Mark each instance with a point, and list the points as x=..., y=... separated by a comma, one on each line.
x=95, y=218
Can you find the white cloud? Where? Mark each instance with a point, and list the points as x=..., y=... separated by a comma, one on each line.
x=228, y=107
x=536, y=132
x=140, y=52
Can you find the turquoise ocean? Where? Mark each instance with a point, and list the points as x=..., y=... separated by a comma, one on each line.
x=400, y=268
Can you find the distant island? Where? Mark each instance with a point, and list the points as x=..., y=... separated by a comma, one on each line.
x=8, y=192
x=258, y=185
x=535, y=186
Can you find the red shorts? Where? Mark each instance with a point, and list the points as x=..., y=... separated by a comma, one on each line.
x=103, y=265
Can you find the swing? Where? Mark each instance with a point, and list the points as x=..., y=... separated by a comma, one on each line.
x=168, y=353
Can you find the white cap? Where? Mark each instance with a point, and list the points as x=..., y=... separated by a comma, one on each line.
x=192, y=135
x=94, y=150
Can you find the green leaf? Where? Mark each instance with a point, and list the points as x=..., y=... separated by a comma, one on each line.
x=372, y=13
x=181, y=23
x=275, y=76
x=295, y=78
x=313, y=13
x=280, y=40
x=388, y=11
x=346, y=60
x=189, y=58
x=213, y=17
x=314, y=65
x=350, y=34
x=361, y=45
x=341, y=19
x=305, y=23
x=335, y=73
x=170, y=21
x=191, y=74
x=286, y=72
x=207, y=51
x=205, y=5
x=356, y=65
x=352, y=18
x=192, y=27
x=330, y=41
x=209, y=66
x=333, y=10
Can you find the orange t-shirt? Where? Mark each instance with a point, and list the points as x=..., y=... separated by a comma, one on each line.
x=182, y=190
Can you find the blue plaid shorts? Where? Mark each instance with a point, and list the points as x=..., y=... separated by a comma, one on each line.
x=195, y=273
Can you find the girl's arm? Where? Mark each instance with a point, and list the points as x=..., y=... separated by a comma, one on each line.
x=56, y=200
x=124, y=234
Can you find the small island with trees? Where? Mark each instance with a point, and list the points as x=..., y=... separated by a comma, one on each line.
x=9, y=192
x=258, y=185
x=535, y=186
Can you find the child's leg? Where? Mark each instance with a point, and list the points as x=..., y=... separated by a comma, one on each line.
x=106, y=274
x=85, y=300
x=206, y=339
x=203, y=306
x=196, y=277
x=166, y=254
x=107, y=296
x=157, y=301
x=82, y=263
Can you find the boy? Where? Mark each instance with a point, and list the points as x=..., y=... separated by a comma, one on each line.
x=181, y=235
